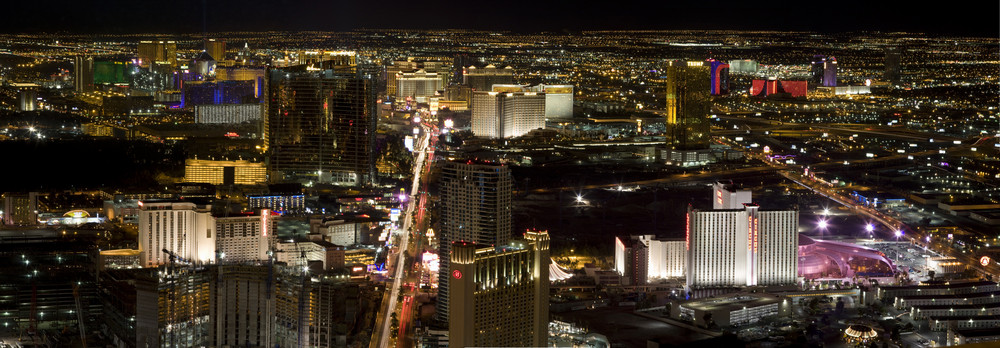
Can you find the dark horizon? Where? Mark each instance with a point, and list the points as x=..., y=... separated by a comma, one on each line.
x=121, y=17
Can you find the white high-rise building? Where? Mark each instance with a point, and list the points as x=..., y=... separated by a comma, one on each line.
x=644, y=256
x=475, y=208
x=184, y=228
x=191, y=232
x=505, y=115
x=742, y=247
x=558, y=101
x=245, y=238
x=558, y=98
x=667, y=258
x=728, y=197
x=420, y=84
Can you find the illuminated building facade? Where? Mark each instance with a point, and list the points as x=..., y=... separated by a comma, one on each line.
x=245, y=238
x=83, y=73
x=773, y=87
x=632, y=260
x=500, y=293
x=238, y=172
x=688, y=104
x=729, y=197
x=643, y=257
x=151, y=52
x=719, y=77
x=824, y=71
x=216, y=49
x=27, y=94
x=558, y=98
x=290, y=203
x=243, y=73
x=475, y=208
x=506, y=115
x=483, y=79
x=20, y=208
x=228, y=113
x=420, y=84
x=220, y=92
x=184, y=228
x=742, y=247
x=743, y=66
x=320, y=124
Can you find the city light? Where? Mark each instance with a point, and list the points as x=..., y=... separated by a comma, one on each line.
x=822, y=224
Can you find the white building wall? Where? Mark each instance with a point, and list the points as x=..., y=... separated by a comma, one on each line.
x=522, y=113
x=343, y=233
x=505, y=115
x=228, y=113
x=619, y=256
x=777, y=258
x=730, y=248
x=485, y=114
x=245, y=238
x=176, y=226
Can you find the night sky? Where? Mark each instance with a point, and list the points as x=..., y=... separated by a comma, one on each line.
x=185, y=16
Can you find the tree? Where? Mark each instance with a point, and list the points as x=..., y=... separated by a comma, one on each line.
x=840, y=305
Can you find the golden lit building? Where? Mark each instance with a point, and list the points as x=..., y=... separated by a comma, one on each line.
x=157, y=51
x=239, y=172
x=500, y=295
x=216, y=49
x=688, y=104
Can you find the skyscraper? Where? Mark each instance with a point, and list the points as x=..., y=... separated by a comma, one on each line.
x=639, y=258
x=151, y=52
x=475, y=208
x=483, y=79
x=688, y=105
x=419, y=84
x=632, y=260
x=500, y=294
x=893, y=59
x=719, y=77
x=83, y=74
x=505, y=115
x=824, y=71
x=216, y=49
x=741, y=247
x=320, y=124
x=184, y=228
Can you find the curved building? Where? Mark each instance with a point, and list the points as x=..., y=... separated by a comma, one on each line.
x=828, y=259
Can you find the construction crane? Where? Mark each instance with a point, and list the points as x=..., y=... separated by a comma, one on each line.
x=79, y=314
x=171, y=310
x=303, y=326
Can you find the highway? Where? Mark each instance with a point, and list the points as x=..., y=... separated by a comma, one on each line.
x=382, y=335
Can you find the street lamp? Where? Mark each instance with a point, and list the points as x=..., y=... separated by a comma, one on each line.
x=822, y=224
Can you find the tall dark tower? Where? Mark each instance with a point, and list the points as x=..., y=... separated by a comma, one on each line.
x=320, y=124
x=476, y=208
x=893, y=71
x=688, y=104
x=823, y=71
x=83, y=74
x=720, y=77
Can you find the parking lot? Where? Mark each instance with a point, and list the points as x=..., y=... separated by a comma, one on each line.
x=907, y=257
